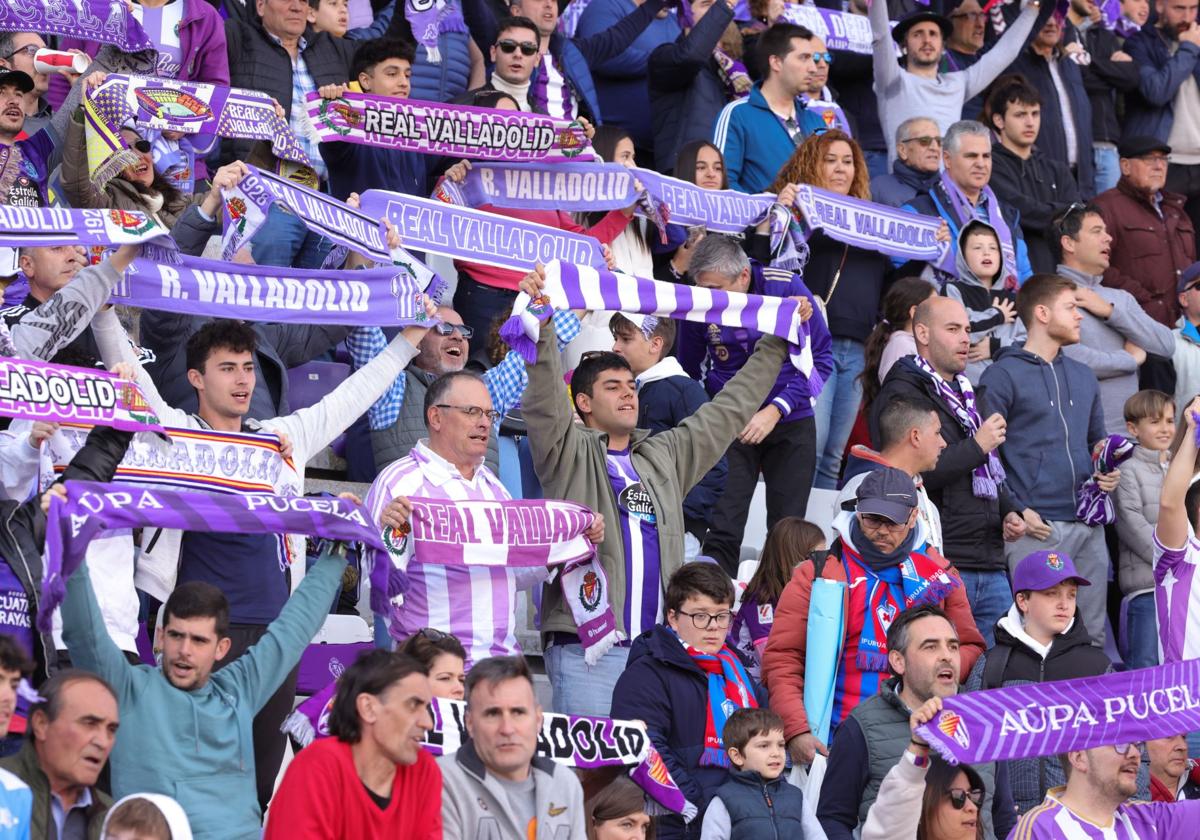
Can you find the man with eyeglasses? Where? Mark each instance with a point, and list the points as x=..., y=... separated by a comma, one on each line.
x=684, y=681
x=1154, y=238
x=881, y=551
x=476, y=604
x=919, y=87
x=917, y=166
x=816, y=91
x=964, y=46
x=1096, y=801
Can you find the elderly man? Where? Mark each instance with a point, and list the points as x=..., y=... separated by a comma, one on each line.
x=1153, y=237
x=495, y=785
x=449, y=465
x=963, y=194
x=917, y=166
x=1100, y=782
x=71, y=732
x=379, y=717
x=923, y=655
x=1116, y=334
x=974, y=524
x=882, y=535
x=1173, y=776
x=919, y=87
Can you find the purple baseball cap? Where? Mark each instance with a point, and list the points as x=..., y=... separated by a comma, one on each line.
x=1044, y=569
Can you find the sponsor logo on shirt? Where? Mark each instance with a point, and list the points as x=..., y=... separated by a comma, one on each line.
x=635, y=501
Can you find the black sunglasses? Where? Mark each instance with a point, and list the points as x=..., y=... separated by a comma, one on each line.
x=449, y=329
x=959, y=797
x=510, y=46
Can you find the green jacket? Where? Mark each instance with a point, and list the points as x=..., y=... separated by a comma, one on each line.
x=197, y=746
x=24, y=765
x=570, y=461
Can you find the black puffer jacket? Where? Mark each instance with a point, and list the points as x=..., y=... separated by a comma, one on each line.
x=972, y=536
x=23, y=527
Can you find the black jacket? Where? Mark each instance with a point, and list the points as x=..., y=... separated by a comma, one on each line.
x=1103, y=79
x=972, y=534
x=852, y=307
x=1039, y=188
x=23, y=527
x=258, y=63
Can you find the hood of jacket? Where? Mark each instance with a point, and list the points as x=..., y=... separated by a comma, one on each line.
x=965, y=274
x=171, y=810
x=664, y=369
x=1010, y=630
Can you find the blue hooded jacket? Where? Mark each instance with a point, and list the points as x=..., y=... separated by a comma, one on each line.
x=754, y=141
x=1054, y=415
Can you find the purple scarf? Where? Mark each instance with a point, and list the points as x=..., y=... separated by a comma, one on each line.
x=988, y=476
x=40, y=391
x=964, y=212
x=873, y=227
x=1094, y=506
x=1052, y=718
x=93, y=507
x=106, y=21
x=430, y=18
x=89, y=228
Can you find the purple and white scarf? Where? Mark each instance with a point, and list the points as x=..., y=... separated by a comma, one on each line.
x=41, y=391
x=196, y=108
x=1052, y=718
x=1094, y=506
x=436, y=128
x=988, y=476
x=839, y=30
x=964, y=212
x=388, y=296
x=89, y=228
x=106, y=21
x=873, y=227
x=477, y=236
x=94, y=507
x=581, y=287
x=429, y=19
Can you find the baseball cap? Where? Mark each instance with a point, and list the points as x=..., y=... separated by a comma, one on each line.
x=20, y=80
x=910, y=20
x=1044, y=569
x=1187, y=277
x=887, y=492
x=1142, y=145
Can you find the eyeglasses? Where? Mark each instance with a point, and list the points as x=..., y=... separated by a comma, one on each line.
x=702, y=621
x=925, y=141
x=432, y=634
x=509, y=46
x=959, y=797
x=473, y=411
x=1123, y=749
x=877, y=523
x=974, y=17
x=1154, y=160
x=449, y=329
x=29, y=50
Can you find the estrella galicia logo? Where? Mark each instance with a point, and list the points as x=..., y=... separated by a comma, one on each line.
x=635, y=501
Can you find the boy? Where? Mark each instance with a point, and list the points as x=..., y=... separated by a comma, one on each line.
x=382, y=67
x=757, y=797
x=666, y=397
x=1149, y=417
x=146, y=816
x=980, y=288
x=1177, y=551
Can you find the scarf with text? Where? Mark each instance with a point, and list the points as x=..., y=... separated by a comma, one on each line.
x=873, y=227
x=916, y=580
x=106, y=21
x=436, y=128
x=93, y=507
x=729, y=689
x=1051, y=718
x=40, y=391
x=1094, y=506
x=988, y=476
x=93, y=229
x=964, y=212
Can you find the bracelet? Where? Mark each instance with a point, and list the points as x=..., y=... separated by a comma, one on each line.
x=917, y=743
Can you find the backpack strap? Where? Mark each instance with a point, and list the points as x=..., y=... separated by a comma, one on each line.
x=993, y=668
x=835, y=551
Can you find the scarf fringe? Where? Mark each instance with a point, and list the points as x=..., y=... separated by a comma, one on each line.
x=593, y=654
x=161, y=252
x=983, y=487
x=935, y=593
x=112, y=166
x=512, y=333
x=299, y=727
x=713, y=757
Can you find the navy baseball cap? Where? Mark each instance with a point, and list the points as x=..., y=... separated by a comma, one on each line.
x=1187, y=277
x=887, y=492
x=1044, y=569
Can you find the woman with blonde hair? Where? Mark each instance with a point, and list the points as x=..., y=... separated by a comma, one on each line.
x=848, y=282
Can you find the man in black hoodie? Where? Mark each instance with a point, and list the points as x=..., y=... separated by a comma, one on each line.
x=1023, y=176
x=974, y=524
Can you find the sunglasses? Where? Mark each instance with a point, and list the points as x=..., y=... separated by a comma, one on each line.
x=959, y=797
x=826, y=56
x=509, y=46
x=433, y=634
x=449, y=329
x=925, y=141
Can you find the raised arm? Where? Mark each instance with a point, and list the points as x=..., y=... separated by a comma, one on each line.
x=887, y=69
x=1003, y=52
x=1172, y=528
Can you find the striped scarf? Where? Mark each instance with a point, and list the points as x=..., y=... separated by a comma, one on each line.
x=1094, y=506
x=729, y=689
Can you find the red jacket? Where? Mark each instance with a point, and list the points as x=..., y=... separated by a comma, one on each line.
x=784, y=657
x=1148, y=252
x=322, y=797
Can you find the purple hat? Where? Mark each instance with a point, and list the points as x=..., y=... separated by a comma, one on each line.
x=1044, y=569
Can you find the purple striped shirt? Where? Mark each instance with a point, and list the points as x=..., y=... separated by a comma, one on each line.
x=1133, y=820
x=477, y=605
x=1176, y=596
x=639, y=537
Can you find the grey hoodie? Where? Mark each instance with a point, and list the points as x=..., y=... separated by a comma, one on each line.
x=1102, y=345
x=1054, y=418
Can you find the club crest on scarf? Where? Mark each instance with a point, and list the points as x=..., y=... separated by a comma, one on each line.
x=133, y=223
x=572, y=139
x=590, y=591
x=955, y=727
x=886, y=613
x=395, y=540
x=338, y=116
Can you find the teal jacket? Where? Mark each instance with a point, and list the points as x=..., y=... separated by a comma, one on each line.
x=199, y=741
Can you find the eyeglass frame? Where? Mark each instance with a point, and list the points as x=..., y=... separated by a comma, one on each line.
x=878, y=522
x=473, y=411
x=958, y=797
x=727, y=615
x=446, y=329
x=28, y=48
x=1140, y=746
x=925, y=140
x=508, y=46
x=826, y=56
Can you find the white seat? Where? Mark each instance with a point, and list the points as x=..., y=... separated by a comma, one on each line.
x=343, y=630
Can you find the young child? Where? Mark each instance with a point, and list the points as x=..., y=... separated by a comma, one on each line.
x=146, y=816
x=789, y=543
x=989, y=297
x=1150, y=418
x=666, y=397
x=757, y=801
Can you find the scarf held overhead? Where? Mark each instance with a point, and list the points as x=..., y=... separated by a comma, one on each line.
x=93, y=507
x=50, y=393
x=435, y=128
x=90, y=228
x=106, y=21
x=1052, y=718
x=873, y=227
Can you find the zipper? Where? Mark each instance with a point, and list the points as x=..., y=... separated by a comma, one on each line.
x=1066, y=427
x=771, y=809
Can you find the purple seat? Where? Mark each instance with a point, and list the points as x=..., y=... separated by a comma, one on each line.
x=310, y=382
